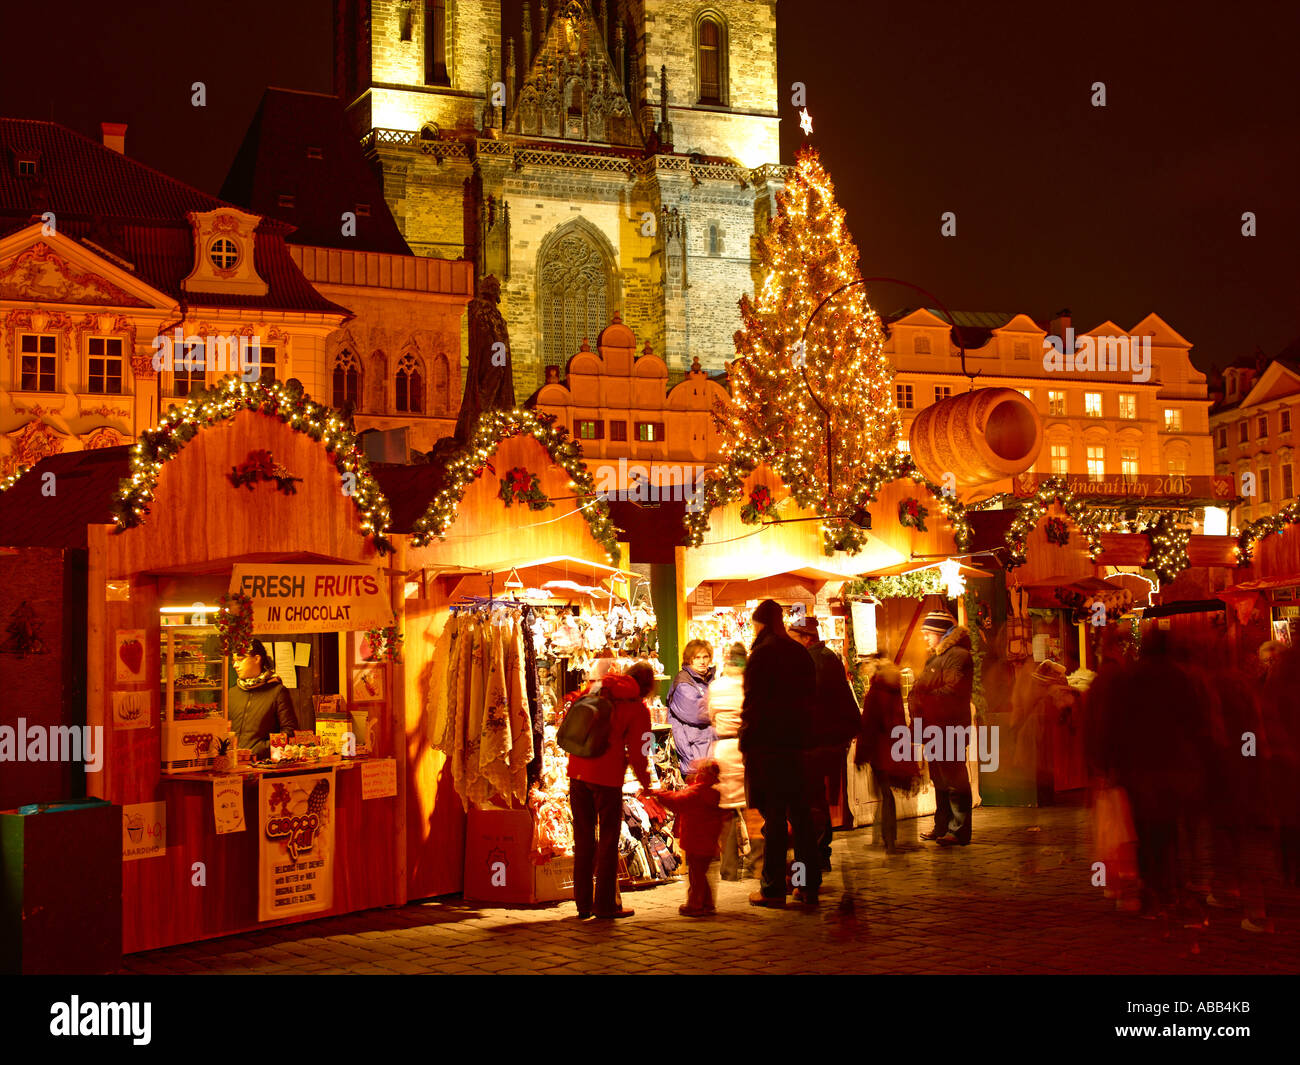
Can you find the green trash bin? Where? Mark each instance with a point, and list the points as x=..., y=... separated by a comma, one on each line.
x=61, y=888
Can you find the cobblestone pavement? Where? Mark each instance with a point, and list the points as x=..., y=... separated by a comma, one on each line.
x=1018, y=900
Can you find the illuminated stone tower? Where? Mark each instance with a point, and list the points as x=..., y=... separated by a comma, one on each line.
x=597, y=157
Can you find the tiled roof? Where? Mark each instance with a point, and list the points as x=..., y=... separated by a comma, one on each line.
x=135, y=213
x=273, y=162
x=85, y=483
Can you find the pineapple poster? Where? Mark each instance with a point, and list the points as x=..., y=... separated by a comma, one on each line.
x=295, y=867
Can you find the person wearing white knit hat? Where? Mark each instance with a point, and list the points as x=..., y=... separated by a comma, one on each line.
x=941, y=696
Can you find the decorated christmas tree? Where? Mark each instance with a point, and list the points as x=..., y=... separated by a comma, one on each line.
x=807, y=254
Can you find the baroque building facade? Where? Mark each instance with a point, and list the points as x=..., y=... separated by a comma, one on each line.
x=599, y=158
x=1254, y=427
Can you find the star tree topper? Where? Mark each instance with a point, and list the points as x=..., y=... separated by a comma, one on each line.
x=805, y=121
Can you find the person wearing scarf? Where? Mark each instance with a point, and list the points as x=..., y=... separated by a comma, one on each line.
x=258, y=703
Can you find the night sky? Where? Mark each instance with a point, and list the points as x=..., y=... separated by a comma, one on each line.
x=920, y=108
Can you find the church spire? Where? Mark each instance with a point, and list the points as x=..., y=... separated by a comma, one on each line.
x=528, y=34
x=665, y=127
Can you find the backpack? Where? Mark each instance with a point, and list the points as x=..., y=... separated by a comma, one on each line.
x=585, y=729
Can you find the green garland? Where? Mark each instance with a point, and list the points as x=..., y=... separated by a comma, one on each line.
x=725, y=484
x=1032, y=509
x=1168, y=548
x=902, y=586
x=466, y=464
x=1268, y=525
x=8, y=482
x=179, y=426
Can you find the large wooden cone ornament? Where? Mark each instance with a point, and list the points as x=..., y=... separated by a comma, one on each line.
x=979, y=437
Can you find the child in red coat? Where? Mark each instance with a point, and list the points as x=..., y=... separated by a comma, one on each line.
x=700, y=822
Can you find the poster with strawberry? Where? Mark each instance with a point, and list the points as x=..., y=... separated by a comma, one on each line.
x=129, y=660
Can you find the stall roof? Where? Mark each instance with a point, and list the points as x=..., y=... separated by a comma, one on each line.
x=84, y=484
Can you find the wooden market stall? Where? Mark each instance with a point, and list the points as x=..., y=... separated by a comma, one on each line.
x=265, y=482
x=554, y=551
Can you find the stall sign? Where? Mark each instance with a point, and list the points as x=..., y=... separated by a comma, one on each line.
x=295, y=862
x=288, y=598
x=228, y=804
x=144, y=830
x=379, y=778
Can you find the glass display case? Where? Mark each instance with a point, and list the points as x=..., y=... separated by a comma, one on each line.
x=193, y=697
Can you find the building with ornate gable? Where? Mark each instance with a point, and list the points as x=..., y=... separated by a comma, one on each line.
x=602, y=158
x=1254, y=425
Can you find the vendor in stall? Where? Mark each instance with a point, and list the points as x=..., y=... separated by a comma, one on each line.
x=259, y=703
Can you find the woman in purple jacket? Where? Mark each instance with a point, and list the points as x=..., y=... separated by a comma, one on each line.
x=693, y=734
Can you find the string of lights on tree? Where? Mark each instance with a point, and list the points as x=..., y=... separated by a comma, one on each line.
x=1053, y=490
x=291, y=405
x=1168, y=548
x=7, y=483
x=806, y=255
x=465, y=465
x=1270, y=524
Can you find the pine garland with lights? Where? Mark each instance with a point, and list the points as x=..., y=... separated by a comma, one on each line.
x=726, y=482
x=466, y=464
x=1168, y=549
x=1269, y=525
x=231, y=395
x=807, y=254
x=1053, y=490
x=7, y=483
x=899, y=586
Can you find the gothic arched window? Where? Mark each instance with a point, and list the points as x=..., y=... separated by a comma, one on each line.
x=711, y=59
x=347, y=380
x=440, y=385
x=410, y=386
x=435, y=43
x=575, y=290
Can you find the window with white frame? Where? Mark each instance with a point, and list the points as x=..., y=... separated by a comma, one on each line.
x=1263, y=426
x=1286, y=421
x=1177, y=466
x=265, y=361
x=1173, y=420
x=1265, y=476
x=1096, y=462
x=1092, y=404
x=1056, y=403
x=920, y=345
x=942, y=392
x=1128, y=461
x=1060, y=454
x=1128, y=405
x=1288, y=484
x=903, y=396
x=39, y=369
x=104, y=365
x=188, y=374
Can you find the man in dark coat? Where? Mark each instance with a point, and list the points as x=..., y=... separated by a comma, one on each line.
x=941, y=696
x=836, y=719
x=780, y=681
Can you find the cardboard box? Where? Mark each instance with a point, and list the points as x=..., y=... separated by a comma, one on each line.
x=499, y=861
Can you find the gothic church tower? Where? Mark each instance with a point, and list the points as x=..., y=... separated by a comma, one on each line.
x=597, y=156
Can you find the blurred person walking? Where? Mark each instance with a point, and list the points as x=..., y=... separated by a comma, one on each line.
x=700, y=819
x=726, y=700
x=878, y=747
x=836, y=719
x=780, y=681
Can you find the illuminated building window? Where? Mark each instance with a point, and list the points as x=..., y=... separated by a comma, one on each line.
x=40, y=362
x=1128, y=457
x=1056, y=403
x=1096, y=462
x=1028, y=393
x=590, y=430
x=188, y=374
x=1061, y=458
x=266, y=357
x=903, y=396
x=1263, y=426
x=1128, y=405
x=1173, y=420
x=1178, y=467
x=1092, y=404
x=575, y=291
x=942, y=392
x=104, y=365
x=649, y=432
